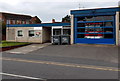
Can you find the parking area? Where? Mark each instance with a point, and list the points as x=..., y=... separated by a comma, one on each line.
x=54, y=61
x=107, y=53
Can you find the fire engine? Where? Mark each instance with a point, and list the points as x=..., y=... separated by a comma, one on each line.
x=94, y=30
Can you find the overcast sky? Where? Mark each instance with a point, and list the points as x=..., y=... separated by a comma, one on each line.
x=46, y=10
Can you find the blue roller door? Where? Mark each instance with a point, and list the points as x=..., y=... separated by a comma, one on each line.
x=95, y=29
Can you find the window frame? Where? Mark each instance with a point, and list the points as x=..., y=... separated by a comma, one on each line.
x=29, y=33
x=56, y=31
x=18, y=33
x=107, y=23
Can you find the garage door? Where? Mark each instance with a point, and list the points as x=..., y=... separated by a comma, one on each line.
x=94, y=29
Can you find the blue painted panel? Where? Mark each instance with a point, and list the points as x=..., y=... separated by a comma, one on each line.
x=95, y=10
x=95, y=14
x=114, y=29
x=95, y=41
x=94, y=21
x=96, y=27
x=75, y=29
x=95, y=33
x=40, y=25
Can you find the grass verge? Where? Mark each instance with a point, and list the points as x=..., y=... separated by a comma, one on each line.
x=7, y=44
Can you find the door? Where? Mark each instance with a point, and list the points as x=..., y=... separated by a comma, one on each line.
x=95, y=29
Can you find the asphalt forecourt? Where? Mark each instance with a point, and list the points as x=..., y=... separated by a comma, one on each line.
x=61, y=62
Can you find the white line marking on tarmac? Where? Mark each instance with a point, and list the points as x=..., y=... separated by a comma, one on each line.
x=20, y=76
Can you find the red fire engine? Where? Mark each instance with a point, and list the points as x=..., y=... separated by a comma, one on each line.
x=93, y=32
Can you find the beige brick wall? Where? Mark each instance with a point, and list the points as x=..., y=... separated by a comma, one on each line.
x=25, y=34
x=12, y=36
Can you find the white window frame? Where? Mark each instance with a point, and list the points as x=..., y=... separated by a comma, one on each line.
x=8, y=21
x=27, y=22
x=13, y=21
x=22, y=33
x=31, y=30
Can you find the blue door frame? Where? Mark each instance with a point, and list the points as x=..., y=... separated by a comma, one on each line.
x=94, y=41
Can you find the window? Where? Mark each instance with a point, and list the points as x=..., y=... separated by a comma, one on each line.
x=57, y=32
x=31, y=33
x=81, y=18
x=27, y=22
x=13, y=21
x=23, y=22
x=8, y=21
x=0, y=19
x=108, y=18
x=108, y=36
x=81, y=30
x=98, y=30
x=66, y=32
x=108, y=29
x=98, y=24
x=107, y=24
x=80, y=36
x=20, y=33
x=18, y=21
x=89, y=30
x=90, y=18
x=98, y=18
x=81, y=25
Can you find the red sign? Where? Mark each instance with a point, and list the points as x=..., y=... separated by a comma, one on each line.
x=94, y=23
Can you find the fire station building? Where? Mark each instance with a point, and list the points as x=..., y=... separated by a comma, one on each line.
x=95, y=26
x=36, y=33
x=88, y=26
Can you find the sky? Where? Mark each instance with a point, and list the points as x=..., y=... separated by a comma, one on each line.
x=47, y=10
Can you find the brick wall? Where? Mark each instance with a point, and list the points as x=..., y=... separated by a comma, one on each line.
x=12, y=35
